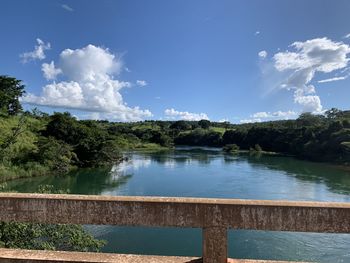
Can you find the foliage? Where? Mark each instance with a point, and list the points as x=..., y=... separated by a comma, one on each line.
x=11, y=90
x=54, y=154
x=257, y=148
x=200, y=137
x=204, y=124
x=47, y=236
x=229, y=148
x=35, y=143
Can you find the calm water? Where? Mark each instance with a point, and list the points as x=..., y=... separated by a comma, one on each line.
x=209, y=173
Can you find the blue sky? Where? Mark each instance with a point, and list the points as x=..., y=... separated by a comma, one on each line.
x=185, y=59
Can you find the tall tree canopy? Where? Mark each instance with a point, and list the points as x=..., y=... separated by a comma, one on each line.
x=11, y=89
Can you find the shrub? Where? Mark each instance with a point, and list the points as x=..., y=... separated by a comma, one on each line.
x=230, y=148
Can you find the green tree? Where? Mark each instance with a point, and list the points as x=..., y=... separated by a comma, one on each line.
x=229, y=148
x=47, y=236
x=11, y=89
x=309, y=119
x=57, y=155
x=180, y=125
x=332, y=113
x=204, y=124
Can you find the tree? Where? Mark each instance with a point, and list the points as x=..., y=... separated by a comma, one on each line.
x=332, y=113
x=12, y=137
x=309, y=119
x=47, y=236
x=180, y=125
x=11, y=90
x=229, y=148
x=204, y=124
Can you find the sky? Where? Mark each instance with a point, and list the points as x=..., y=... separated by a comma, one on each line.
x=222, y=60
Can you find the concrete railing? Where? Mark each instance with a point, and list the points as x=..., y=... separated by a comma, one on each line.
x=214, y=216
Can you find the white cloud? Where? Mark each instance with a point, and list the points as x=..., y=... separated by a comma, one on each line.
x=250, y=120
x=90, y=85
x=37, y=53
x=312, y=56
x=141, y=83
x=284, y=114
x=67, y=7
x=276, y=114
x=185, y=115
x=257, y=33
x=310, y=103
x=261, y=114
x=224, y=120
x=347, y=36
x=50, y=71
x=62, y=94
x=332, y=79
x=262, y=54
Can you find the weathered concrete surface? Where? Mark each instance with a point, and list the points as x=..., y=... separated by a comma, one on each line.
x=32, y=256
x=215, y=245
x=176, y=212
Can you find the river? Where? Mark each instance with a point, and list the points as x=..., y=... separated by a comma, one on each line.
x=207, y=172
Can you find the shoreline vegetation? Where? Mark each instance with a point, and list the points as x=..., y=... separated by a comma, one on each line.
x=34, y=143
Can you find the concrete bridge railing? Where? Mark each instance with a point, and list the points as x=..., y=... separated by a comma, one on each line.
x=214, y=216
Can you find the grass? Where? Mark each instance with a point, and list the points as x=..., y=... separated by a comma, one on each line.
x=11, y=172
x=150, y=147
x=219, y=129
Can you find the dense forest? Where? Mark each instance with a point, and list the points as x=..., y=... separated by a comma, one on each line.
x=33, y=143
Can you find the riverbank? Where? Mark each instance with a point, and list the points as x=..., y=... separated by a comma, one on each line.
x=36, y=144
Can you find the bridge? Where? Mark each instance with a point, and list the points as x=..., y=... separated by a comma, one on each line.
x=214, y=216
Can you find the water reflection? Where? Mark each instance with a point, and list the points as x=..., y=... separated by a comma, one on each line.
x=82, y=181
x=336, y=178
x=212, y=160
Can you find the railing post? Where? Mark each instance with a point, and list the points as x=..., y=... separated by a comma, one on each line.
x=214, y=245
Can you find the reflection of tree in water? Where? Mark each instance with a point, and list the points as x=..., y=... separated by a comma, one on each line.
x=336, y=179
x=96, y=181
x=82, y=181
x=185, y=156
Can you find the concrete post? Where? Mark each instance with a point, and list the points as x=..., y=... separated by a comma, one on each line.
x=215, y=245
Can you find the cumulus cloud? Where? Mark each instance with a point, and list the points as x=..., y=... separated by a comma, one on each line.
x=37, y=53
x=185, y=115
x=257, y=33
x=264, y=116
x=276, y=114
x=347, y=36
x=141, y=83
x=50, y=71
x=250, y=120
x=308, y=58
x=67, y=8
x=89, y=86
x=262, y=54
